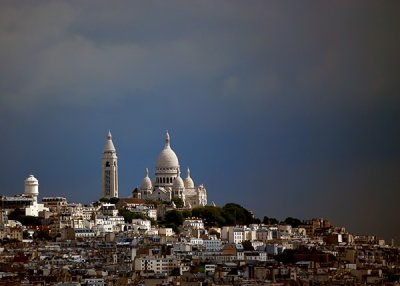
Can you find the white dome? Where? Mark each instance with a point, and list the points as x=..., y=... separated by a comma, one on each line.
x=31, y=180
x=189, y=184
x=178, y=183
x=167, y=157
x=146, y=183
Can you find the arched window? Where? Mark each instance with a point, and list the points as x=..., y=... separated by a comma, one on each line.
x=107, y=164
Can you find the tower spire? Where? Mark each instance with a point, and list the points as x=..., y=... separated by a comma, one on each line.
x=109, y=146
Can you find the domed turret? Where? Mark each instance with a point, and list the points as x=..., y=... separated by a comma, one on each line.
x=189, y=184
x=31, y=186
x=167, y=166
x=146, y=183
x=109, y=146
x=167, y=158
x=178, y=183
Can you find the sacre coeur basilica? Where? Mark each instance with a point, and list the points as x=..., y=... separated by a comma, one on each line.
x=166, y=185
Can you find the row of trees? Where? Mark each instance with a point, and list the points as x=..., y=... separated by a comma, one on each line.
x=229, y=214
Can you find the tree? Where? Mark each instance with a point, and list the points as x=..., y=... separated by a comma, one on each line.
x=114, y=200
x=41, y=234
x=214, y=232
x=174, y=217
x=178, y=202
x=187, y=213
x=30, y=221
x=175, y=272
x=294, y=222
x=286, y=257
x=26, y=235
x=267, y=220
x=247, y=246
x=20, y=216
x=211, y=215
x=236, y=214
x=104, y=200
x=257, y=220
x=16, y=214
x=152, y=202
x=129, y=216
x=174, y=227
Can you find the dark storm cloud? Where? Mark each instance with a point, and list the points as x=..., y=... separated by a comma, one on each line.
x=289, y=102
x=88, y=50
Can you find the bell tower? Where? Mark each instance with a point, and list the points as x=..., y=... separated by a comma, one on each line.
x=109, y=169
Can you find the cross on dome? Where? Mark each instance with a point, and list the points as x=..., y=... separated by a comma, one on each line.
x=188, y=172
x=167, y=139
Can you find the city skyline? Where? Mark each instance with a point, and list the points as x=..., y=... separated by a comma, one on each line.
x=288, y=109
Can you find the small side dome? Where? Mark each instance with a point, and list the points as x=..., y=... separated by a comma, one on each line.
x=189, y=184
x=178, y=183
x=146, y=183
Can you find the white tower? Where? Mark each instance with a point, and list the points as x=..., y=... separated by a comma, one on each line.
x=109, y=169
x=32, y=190
x=32, y=187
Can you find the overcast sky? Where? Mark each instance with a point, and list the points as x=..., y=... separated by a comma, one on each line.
x=288, y=108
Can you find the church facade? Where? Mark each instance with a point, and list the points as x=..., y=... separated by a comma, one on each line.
x=168, y=183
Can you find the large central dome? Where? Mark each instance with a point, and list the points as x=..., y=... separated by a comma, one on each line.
x=167, y=158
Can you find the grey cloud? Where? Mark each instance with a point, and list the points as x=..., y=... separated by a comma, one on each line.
x=88, y=51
